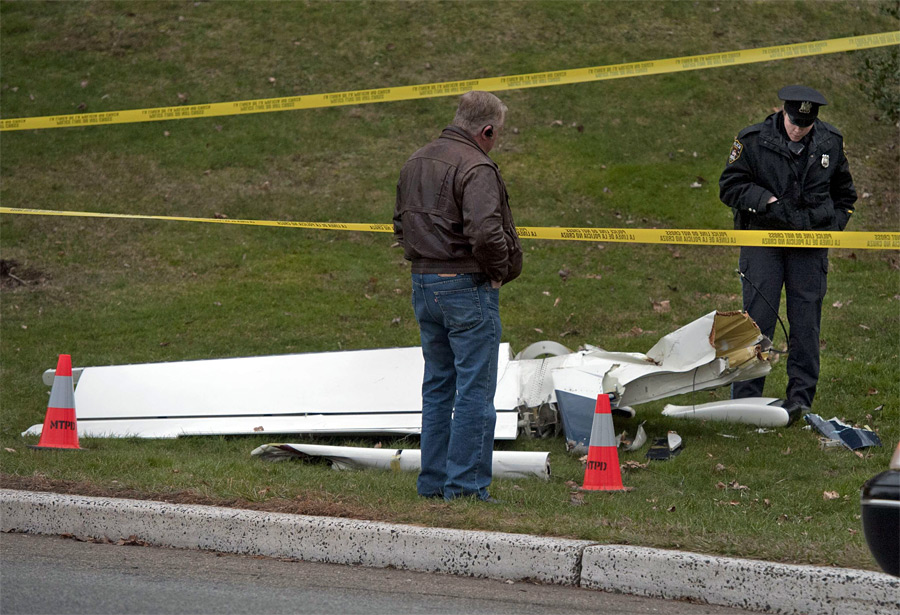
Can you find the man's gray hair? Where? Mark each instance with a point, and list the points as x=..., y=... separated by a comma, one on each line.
x=478, y=109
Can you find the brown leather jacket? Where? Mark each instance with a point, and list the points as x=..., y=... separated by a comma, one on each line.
x=452, y=213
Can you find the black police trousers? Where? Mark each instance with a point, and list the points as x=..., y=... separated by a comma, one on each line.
x=803, y=274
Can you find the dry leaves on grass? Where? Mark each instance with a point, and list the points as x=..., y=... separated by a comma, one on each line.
x=633, y=332
x=732, y=485
x=661, y=307
x=634, y=465
x=830, y=495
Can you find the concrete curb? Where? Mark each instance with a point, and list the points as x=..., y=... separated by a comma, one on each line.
x=319, y=539
x=749, y=584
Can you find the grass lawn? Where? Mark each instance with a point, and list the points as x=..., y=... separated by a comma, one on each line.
x=621, y=153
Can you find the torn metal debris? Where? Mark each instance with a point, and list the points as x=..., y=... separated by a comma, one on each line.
x=839, y=432
x=665, y=448
x=713, y=351
x=640, y=439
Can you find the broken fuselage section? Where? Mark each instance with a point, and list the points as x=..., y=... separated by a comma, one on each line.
x=712, y=351
x=376, y=392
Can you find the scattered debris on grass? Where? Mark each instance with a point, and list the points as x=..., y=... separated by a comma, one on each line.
x=838, y=433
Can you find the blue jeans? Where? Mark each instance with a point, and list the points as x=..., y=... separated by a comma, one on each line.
x=459, y=323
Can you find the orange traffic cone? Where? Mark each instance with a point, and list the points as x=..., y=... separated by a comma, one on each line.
x=60, y=427
x=603, y=472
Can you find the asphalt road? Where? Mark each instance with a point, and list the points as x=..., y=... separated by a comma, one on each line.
x=47, y=574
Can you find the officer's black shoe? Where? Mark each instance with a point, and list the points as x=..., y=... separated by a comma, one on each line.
x=795, y=411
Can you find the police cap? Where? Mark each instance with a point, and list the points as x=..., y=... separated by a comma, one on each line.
x=801, y=104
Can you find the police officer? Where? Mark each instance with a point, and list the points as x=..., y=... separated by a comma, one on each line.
x=788, y=173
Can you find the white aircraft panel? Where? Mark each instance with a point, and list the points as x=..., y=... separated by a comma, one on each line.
x=363, y=391
x=363, y=381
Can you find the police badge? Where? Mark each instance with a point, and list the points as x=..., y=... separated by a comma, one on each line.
x=825, y=161
x=737, y=148
x=805, y=107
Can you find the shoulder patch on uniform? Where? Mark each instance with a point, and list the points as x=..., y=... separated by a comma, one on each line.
x=737, y=148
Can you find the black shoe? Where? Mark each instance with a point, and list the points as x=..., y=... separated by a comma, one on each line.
x=433, y=496
x=492, y=500
x=795, y=411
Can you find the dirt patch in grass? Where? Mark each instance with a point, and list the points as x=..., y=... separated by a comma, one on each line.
x=13, y=275
x=303, y=504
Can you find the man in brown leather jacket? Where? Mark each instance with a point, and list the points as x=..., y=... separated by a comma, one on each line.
x=453, y=220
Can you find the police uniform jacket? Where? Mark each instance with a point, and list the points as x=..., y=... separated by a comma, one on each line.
x=452, y=211
x=814, y=190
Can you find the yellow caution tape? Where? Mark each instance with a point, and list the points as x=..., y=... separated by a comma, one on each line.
x=326, y=226
x=450, y=88
x=854, y=240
